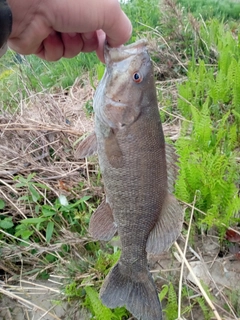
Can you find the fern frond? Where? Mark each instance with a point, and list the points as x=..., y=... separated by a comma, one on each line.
x=202, y=126
x=223, y=95
x=172, y=304
x=233, y=81
x=224, y=61
x=207, y=313
x=186, y=95
x=101, y=312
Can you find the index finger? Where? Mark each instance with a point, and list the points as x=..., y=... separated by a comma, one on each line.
x=82, y=16
x=116, y=25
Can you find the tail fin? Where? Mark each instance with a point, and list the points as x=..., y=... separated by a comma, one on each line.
x=139, y=297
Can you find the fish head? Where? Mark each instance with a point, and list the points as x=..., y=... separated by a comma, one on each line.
x=126, y=86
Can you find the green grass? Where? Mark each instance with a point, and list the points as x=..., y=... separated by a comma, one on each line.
x=142, y=13
x=17, y=80
x=57, y=74
x=31, y=74
x=208, y=100
x=221, y=9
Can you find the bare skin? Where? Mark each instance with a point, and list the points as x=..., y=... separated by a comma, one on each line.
x=59, y=28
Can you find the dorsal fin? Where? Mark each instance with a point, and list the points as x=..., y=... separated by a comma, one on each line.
x=172, y=166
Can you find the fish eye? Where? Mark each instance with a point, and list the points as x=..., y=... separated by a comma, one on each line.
x=137, y=77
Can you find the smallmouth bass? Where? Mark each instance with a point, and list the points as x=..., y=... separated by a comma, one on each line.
x=132, y=152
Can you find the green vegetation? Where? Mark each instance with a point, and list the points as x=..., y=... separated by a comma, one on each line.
x=143, y=14
x=220, y=9
x=171, y=309
x=31, y=74
x=35, y=75
x=46, y=219
x=99, y=310
x=197, y=59
x=209, y=102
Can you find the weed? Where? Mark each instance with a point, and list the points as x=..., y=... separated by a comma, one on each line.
x=20, y=80
x=211, y=101
x=172, y=305
x=171, y=308
x=73, y=291
x=221, y=9
x=99, y=310
x=89, y=107
x=6, y=223
x=142, y=12
x=234, y=300
x=204, y=308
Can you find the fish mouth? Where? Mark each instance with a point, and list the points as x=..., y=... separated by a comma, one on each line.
x=112, y=55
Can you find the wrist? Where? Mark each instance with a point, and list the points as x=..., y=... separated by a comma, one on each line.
x=30, y=25
x=5, y=25
x=27, y=13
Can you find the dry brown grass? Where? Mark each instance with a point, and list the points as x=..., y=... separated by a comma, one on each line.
x=42, y=133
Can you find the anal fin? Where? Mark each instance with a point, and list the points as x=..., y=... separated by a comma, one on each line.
x=86, y=147
x=102, y=225
x=167, y=228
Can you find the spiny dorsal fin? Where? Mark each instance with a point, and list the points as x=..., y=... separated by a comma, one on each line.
x=86, y=147
x=167, y=228
x=102, y=225
x=172, y=167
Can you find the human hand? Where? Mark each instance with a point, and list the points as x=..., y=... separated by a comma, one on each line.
x=59, y=28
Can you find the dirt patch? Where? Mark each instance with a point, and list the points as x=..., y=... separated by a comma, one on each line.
x=38, y=300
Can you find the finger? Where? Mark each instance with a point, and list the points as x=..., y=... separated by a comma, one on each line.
x=101, y=41
x=82, y=16
x=52, y=48
x=116, y=24
x=90, y=15
x=72, y=43
x=90, y=41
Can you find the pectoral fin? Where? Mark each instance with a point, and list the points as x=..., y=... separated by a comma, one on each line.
x=87, y=147
x=167, y=228
x=102, y=225
x=113, y=151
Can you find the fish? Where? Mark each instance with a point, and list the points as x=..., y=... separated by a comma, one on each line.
x=138, y=170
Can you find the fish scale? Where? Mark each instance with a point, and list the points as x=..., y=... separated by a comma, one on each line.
x=132, y=157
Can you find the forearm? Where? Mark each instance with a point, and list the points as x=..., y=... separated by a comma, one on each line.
x=5, y=25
